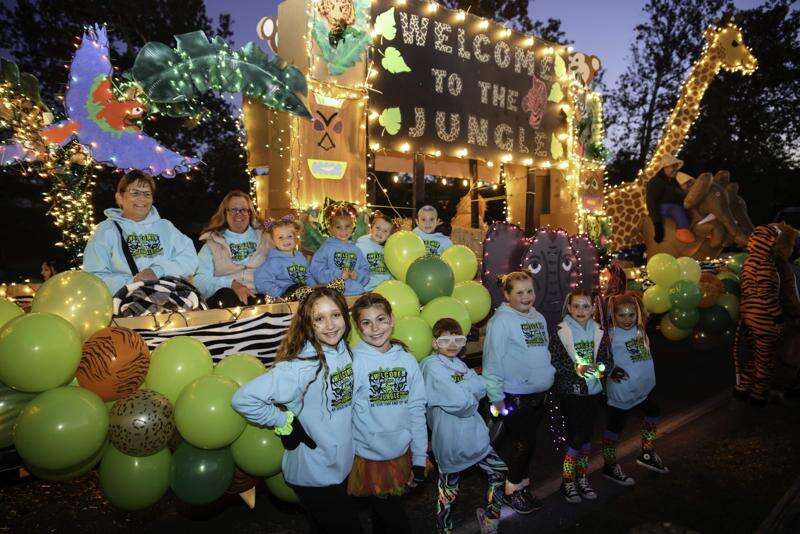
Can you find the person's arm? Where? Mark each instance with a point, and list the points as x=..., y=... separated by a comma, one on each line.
x=477, y=384
x=416, y=411
x=560, y=360
x=443, y=393
x=362, y=268
x=604, y=355
x=182, y=262
x=321, y=268
x=256, y=400
x=493, y=350
x=265, y=278
x=97, y=261
x=204, y=279
x=655, y=190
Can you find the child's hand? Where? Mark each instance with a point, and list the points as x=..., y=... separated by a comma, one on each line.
x=583, y=368
x=418, y=476
x=618, y=374
x=345, y=274
x=352, y=275
x=498, y=409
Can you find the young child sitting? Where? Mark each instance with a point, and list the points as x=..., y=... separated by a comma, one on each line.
x=285, y=269
x=459, y=437
x=630, y=387
x=665, y=199
x=435, y=242
x=338, y=257
x=371, y=245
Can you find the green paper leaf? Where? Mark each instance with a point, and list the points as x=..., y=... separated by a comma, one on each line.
x=556, y=150
x=390, y=119
x=348, y=52
x=393, y=61
x=556, y=95
x=385, y=25
x=560, y=66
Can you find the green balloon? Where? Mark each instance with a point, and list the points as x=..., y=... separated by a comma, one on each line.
x=400, y=250
x=735, y=262
x=463, y=262
x=353, y=339
x=176, y=363
x=258, y=451
x=12, y=402
x=277, y=486
x=134, y=482
x=731, y=305
x=400, y=295
x=204, y=415
x=430, y=277
x=672, y=332
x=416, y=333
x=663, y=269
x=727, y=275
x=689, y=268
x=61, y=428
x=38, y=351
x=685, y=294
x=442, y=307
x=729, y=285
x=656, y=299
x=79, y=297
x=714, y=320
x=241, y=368
x=475, y=297
x=8, y=310
x=685, y=319
x=71, y=472
x=199, y=476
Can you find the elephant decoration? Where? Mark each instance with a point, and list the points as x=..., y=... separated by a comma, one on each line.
x=712, y=220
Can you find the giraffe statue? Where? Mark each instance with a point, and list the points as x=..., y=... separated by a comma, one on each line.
x=625, y=203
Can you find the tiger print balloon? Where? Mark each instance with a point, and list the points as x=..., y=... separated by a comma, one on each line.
x=141, y=423
x=114, y=362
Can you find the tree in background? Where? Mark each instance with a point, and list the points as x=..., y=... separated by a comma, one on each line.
x=514, y=13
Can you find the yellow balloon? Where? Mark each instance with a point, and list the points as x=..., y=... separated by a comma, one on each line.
x=8, y=310
x=463, y=262
x=475, y=298
x=400, y=251
x=77, y=296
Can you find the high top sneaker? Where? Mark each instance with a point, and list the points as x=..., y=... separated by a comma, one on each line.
x=650, y=460
x=570, y=491
x=585, y=489
x=614, y=473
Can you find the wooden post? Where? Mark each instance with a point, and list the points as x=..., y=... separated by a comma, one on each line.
x=372, y=181
x=474, y=206
x=530, y=203
x=418, y=183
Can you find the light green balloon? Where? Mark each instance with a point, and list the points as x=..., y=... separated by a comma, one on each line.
x=672, y=332
x=400, y=251
x=442, y=307
x=277, y=486
x=400, y=295
x=663, y=269
x=727, y=275
x=61, y=428
x=134, y=482
x=175, y=363
x=258, y=451
x=241, y=368
x=731, y=305
x=656, y=299
x=354, y=338
x=463, y=262
x=204, y=415
x=8, y=310
x=12, y=402
x=475, y=297
x=689, y=268
x=71, y=472
x=79, y=297
x=416, y=333
x=38, y=351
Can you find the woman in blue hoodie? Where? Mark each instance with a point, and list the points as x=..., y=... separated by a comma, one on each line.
x=518, y=374
x=580, y=355
x=388, y=416
x=338, y=257
x=371, y=245
x=307, y=397
x=157, y=248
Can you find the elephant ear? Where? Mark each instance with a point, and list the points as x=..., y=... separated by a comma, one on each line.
x=699, y=190
x=587, y=263
x=502, y=253
x=723, y=178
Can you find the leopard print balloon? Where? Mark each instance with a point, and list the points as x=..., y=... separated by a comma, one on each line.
x=141, y=423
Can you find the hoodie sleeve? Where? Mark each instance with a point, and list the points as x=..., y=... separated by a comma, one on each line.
x=204, y=280
x=560, y=360
x=477, y=384
x=493, y=349
x=604, y=354
x=362, y=268
x=266, y=277
x=183, y=259
x=256, y=400
x=443, y=393
x=416, y=410
x=322, y=268
x=97, y=260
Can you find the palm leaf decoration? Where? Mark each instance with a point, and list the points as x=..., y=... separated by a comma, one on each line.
x=22, y=83
x=172, y=79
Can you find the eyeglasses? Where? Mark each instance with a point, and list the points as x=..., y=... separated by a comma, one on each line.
x=458, y=341
x=238, y=211
x=135, y=193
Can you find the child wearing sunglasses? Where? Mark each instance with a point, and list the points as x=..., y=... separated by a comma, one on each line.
x=459, y=436
x=518, y=374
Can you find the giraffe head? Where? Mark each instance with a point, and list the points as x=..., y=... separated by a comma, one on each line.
x=727, y=41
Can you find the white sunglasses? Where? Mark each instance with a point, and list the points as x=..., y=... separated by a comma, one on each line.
x=458, y=341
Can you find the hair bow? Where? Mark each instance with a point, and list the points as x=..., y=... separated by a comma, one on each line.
x=269, y=223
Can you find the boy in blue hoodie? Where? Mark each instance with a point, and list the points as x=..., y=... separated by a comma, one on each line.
x=389, y=429
x=435, y=242
x=338, y=257
x=157, y=247
x=371, y=245
x=459, y=437
x=518, y=374
x=285, y=269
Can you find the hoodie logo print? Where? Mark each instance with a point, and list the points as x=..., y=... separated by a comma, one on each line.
x=585, y=351
x=457, y=377
x=376, y=263
x=297, y=273
x=388, y=387
x=242, y=251
x=342, y=387
x=432, y=246
x=145, y=245
x=637, y=351
x=344, y=260
x=534, y=334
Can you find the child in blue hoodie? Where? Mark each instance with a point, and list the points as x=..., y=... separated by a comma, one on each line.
x=338, y=257
x=630, y=387
x=389, y=429
x=580, y=356
x=285, y=269
x=307, y=397
x=518, y=374
x=371, y=245
x=435, y=242
x=459, y=437
x=157, y=248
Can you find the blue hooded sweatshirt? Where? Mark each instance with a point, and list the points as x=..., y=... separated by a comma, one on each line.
x=335, y=256
x=280, y=271
x=154, y=242
x=322, y=404
x=516, y=358
x=388, y=404
x=435, y=243
x=459, y=436
x=373, y=252
x=242, y=247
x=584, y=349
x=632, y=353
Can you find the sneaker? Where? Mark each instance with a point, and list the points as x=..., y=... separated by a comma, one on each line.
x=487, y=525
x=651, y=461
x=614, y=473
x=535, y=503
x=585, y=489
x=570, y=492
x=518, y=502
x=684, y=236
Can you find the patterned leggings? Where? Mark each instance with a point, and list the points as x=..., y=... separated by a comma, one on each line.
x=495, y=470
x=763, y=338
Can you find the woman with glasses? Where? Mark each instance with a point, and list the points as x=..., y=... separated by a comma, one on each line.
x=235, y=245
x=134, y=244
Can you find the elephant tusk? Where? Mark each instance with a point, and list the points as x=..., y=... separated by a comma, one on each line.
x=707, y=219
